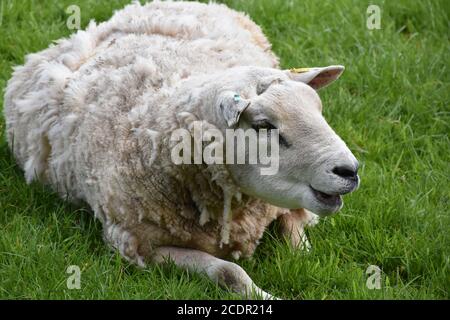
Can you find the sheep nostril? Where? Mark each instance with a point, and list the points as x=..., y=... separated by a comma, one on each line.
x=346, y=172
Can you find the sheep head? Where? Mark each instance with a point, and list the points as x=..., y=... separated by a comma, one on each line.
x=315, y=167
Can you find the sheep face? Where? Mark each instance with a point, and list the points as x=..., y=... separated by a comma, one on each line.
x=315, y=166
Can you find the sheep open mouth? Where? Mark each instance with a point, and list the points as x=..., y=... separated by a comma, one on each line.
x=327, y=199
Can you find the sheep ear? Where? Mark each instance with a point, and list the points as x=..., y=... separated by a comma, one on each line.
x=266, y=82
x=317, y=78
x=231, y=106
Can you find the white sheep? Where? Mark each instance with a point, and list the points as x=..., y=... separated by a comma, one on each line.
x=92, y=116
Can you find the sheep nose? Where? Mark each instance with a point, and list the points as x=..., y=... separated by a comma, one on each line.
x=346, y=172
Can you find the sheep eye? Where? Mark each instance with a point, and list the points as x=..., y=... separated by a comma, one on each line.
x=263, y=125
x=268, y=126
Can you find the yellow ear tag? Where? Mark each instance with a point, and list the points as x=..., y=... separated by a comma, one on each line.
x=299, y=70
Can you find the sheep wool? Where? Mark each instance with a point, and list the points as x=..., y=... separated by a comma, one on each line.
x=92, y=116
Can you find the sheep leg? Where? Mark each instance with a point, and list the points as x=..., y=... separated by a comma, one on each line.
x=226, y=273
x=293, y=227
x=124, y=241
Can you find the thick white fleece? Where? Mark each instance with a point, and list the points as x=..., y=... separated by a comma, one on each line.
x=86, y=116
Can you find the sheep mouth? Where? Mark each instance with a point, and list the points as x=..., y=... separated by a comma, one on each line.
x=332, y=200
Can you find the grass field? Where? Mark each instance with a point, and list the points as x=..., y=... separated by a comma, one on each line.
x=391, y=106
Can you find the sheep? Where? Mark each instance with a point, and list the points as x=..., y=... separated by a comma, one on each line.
x=93, y=115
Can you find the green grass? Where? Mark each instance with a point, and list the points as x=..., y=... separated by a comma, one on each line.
x=391, y=106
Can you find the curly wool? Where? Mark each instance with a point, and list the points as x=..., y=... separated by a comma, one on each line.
x=91, y=116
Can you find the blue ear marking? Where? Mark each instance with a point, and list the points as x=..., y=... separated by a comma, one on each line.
x=236, y=98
